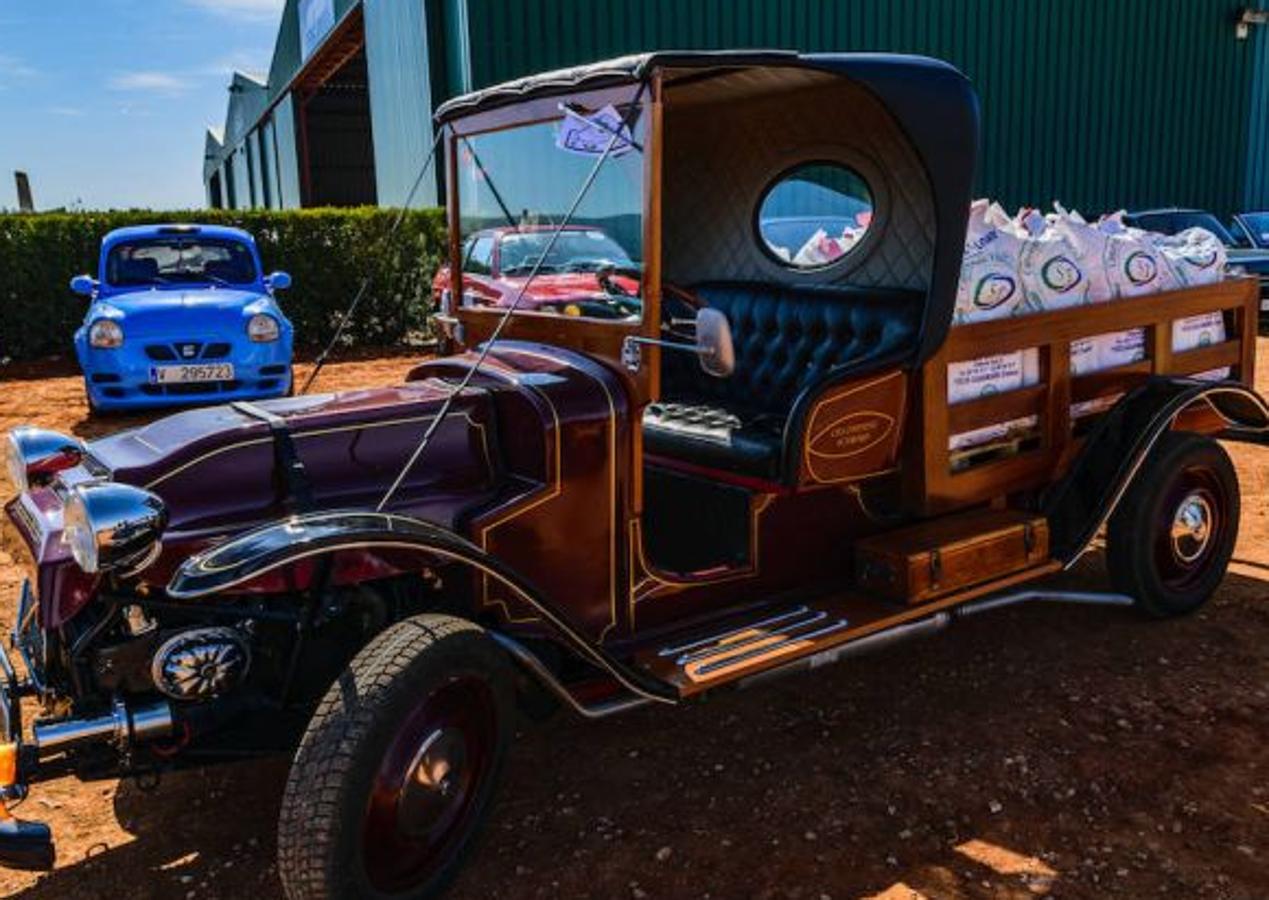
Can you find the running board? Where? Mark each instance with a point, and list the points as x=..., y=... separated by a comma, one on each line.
x=817, y=633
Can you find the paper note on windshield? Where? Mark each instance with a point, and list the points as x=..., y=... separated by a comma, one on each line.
x=590, y=135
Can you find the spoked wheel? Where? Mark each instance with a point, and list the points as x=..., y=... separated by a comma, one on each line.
x=1171, y=539
x=397, y=769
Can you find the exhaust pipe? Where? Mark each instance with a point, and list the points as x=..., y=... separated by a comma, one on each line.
x=122, y=726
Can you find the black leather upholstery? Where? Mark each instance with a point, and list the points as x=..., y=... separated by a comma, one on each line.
x=789, y=342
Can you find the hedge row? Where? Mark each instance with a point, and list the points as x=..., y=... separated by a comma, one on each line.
x=326, y=251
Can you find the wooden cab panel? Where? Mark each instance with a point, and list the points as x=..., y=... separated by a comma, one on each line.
x=854, y=430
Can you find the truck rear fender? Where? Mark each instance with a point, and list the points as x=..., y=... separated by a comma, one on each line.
x=287, y=542
x=1084, y=499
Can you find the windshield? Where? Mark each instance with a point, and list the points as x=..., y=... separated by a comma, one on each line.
x=573, y=251
x=519, y=183
x=1176, y=221
x=1206, y=220
x=180, y=260
x=1257, y=225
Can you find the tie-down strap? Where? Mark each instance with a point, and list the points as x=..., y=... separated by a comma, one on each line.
x=289, y=476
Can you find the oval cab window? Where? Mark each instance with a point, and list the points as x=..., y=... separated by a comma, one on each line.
x=814, y=215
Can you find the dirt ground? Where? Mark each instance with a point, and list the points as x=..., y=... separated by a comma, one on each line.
x=1038, y=751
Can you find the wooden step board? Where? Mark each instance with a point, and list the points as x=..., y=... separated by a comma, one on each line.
x=940, y=556
x=776, y=636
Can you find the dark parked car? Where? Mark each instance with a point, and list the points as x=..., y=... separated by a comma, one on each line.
x=1241, y=252
x=1251, y=229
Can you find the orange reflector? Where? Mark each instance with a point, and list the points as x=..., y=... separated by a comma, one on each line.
x=8, y=764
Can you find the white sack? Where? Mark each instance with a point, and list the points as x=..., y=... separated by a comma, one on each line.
x=1051, y=265
x=988, y=286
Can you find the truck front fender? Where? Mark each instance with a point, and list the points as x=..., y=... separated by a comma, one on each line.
x=1084, y=499
x=282, y=543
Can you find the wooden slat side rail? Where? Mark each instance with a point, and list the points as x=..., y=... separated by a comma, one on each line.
x=1028, y=401
x=1107, y=382
x=935, y=488
x=1203, y=359
x=965, y=342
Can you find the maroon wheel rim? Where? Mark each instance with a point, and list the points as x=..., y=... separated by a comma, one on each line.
x=425, y=794
x=1192, y=525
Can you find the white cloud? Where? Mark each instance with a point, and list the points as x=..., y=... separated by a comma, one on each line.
x=13, y=70
x=152, y=82
x=269, y=10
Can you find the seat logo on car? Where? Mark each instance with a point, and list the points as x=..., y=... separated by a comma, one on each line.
x=187, y=351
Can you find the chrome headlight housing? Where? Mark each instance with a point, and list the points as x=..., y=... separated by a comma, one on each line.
x=105, y=334
x=262, y=328
x=33, y=456
x=112, y=526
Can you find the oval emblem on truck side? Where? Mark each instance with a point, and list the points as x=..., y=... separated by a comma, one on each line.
x=851, y=434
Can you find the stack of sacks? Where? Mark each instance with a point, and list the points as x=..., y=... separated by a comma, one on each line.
x=989, y=289
x=1193, y=257
x=1036, y=263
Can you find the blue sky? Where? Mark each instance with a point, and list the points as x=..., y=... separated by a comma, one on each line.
x=105, y=102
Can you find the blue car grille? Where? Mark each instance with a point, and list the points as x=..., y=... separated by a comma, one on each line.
x=192, y=389
x=179, y=351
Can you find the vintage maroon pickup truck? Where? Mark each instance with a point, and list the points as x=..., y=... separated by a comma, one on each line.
x=736, y=468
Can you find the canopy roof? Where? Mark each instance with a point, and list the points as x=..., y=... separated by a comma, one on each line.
x=932, y=103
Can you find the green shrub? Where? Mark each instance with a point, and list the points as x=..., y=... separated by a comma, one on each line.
x=326, y=251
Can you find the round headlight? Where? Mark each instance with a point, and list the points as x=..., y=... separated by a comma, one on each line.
x=105, y=334
x=34, y=455
x=262, y=328
x=113, y=526
x=14, y=465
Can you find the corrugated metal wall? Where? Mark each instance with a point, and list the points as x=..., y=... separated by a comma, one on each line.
x=288, y=158
x=400, y=98
x=1097, y=103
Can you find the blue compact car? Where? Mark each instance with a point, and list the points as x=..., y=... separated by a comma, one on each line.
x=179, y=314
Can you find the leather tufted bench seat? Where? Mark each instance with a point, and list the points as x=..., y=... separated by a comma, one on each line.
x=790, y=341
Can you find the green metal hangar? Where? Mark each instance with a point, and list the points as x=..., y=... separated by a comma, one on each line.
x=1098, y=104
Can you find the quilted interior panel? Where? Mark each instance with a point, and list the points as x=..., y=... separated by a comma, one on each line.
x=788, y=339
x=728, y=138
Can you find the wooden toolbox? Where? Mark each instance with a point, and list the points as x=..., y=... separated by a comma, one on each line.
x=936, y=557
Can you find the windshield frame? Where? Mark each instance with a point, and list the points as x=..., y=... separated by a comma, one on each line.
x=547, y=110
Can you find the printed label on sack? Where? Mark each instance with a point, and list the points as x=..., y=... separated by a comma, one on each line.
x=993, y=290
x=1140, y=268
x=1061, y=274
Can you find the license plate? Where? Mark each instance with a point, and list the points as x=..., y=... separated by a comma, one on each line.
x=191, y=373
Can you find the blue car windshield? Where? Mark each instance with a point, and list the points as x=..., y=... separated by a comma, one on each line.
x=179, y=260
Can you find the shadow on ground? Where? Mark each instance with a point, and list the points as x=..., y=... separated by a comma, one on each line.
x=1081, y=751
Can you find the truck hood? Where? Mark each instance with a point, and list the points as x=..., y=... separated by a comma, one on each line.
x=215, y=467
x=159, y=311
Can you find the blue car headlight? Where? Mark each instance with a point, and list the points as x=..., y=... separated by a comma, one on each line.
x=105, y=334
x=263, y=328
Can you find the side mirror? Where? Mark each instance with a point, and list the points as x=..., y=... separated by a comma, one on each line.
x=278, y=281
x=713, y=343
x=84, y=285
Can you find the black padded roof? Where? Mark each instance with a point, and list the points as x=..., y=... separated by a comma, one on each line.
x=932, y=102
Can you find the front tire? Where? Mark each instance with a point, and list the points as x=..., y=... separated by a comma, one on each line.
x=397, y=768
x=1171, y=538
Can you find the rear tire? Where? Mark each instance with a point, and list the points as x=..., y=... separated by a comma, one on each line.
x=1171, y=538
x=397, y=768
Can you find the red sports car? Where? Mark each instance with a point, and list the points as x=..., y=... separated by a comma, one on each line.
x=584, y=273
